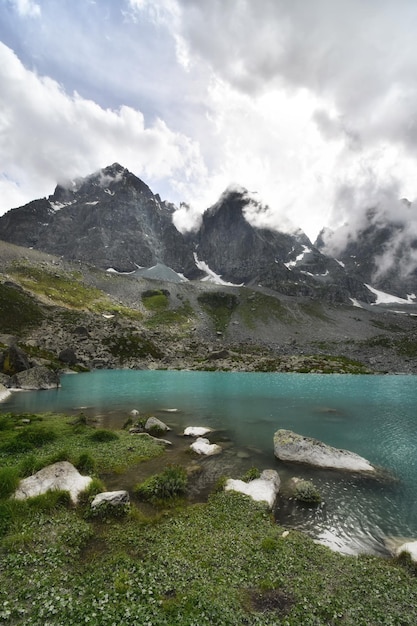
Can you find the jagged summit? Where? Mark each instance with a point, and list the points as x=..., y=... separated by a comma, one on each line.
x=112, y=219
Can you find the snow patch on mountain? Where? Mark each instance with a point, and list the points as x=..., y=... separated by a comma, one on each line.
x=57, y=206
x=298, y=258
x=212, y=277
x=387, y=298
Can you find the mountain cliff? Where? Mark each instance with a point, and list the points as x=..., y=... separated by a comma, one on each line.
x=111, y=219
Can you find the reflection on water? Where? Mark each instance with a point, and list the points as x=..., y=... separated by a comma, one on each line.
x=373, y=416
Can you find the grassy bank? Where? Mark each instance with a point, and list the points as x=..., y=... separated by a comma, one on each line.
x=222, y=562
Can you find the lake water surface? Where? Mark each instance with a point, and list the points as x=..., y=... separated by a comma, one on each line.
x=374, y=416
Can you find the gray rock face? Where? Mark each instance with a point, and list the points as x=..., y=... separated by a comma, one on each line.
x=112, y=219
x=381, y=253
x=289, y=446
x=38, y=377
x=13, y=360
x=68, y=356
x=113, y=498
x=262, y=489
x=289, y=263
x=153, y=423
x=109, y=219
x=63, y=476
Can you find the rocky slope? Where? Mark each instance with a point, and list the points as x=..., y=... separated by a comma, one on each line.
x=76, y=316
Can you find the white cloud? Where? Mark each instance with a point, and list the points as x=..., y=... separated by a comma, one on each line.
x=310, y=104
x=27, y=8
x=46, y=135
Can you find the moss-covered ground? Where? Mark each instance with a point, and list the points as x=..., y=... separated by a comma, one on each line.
x=222, y=562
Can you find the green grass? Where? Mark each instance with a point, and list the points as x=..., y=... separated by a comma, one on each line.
x=223, y=563
x=68, y=289
x=219, y=305
x=170, y=483
x=63, y=288
x=155, y=299
x=51, y=438
x=182, y=316
x=18, y=310
x=130, y=346
x=260, y=309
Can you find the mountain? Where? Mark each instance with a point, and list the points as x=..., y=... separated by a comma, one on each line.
x=382, y=253
x=112, y=220
x=289, y=263
x=109, y=219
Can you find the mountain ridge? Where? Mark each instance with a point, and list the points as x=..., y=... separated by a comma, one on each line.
x=112, y=219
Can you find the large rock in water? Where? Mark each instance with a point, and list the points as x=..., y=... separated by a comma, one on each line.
x=289, y=446
x=38, y=377
x=63, y=476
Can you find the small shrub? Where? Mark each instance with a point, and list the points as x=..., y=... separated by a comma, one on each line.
x=36, y=436
x=57, y=457
x=269, y=544
x=251, y=474
x=103, y=436
x=85, y=497
x=220, y=484
x=9, y=481
x=86, y=464
x=307, y=493
x=170, y=483
x=156, y=431
x=6, y=422
x=29, y=465
x=107, y=511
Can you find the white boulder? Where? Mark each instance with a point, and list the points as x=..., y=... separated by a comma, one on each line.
x=4, y=392
x=204, y=447
x=410, y=547
x=197, y=431
x=59, y=476
x=114, y=498
x=262, y=489
x=289, y=446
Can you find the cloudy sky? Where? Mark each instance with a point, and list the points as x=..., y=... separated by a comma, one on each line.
x=310, y=103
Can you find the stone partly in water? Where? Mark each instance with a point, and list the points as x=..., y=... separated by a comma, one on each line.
x=196, y=431
x=262, y=489
x=38, y=377
x=204, y=447
x=289, y=446
x=63, y=476
x=156, y=425
x=4, y=392
x=111, y=498
x=410, y=547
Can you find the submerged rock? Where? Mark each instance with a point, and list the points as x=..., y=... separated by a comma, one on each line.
x=197, y=431
x=63, y=476
x=289, y=446
x=262, y=489
x=204, y=447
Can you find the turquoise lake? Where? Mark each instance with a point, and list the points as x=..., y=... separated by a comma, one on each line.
x=374, y=416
